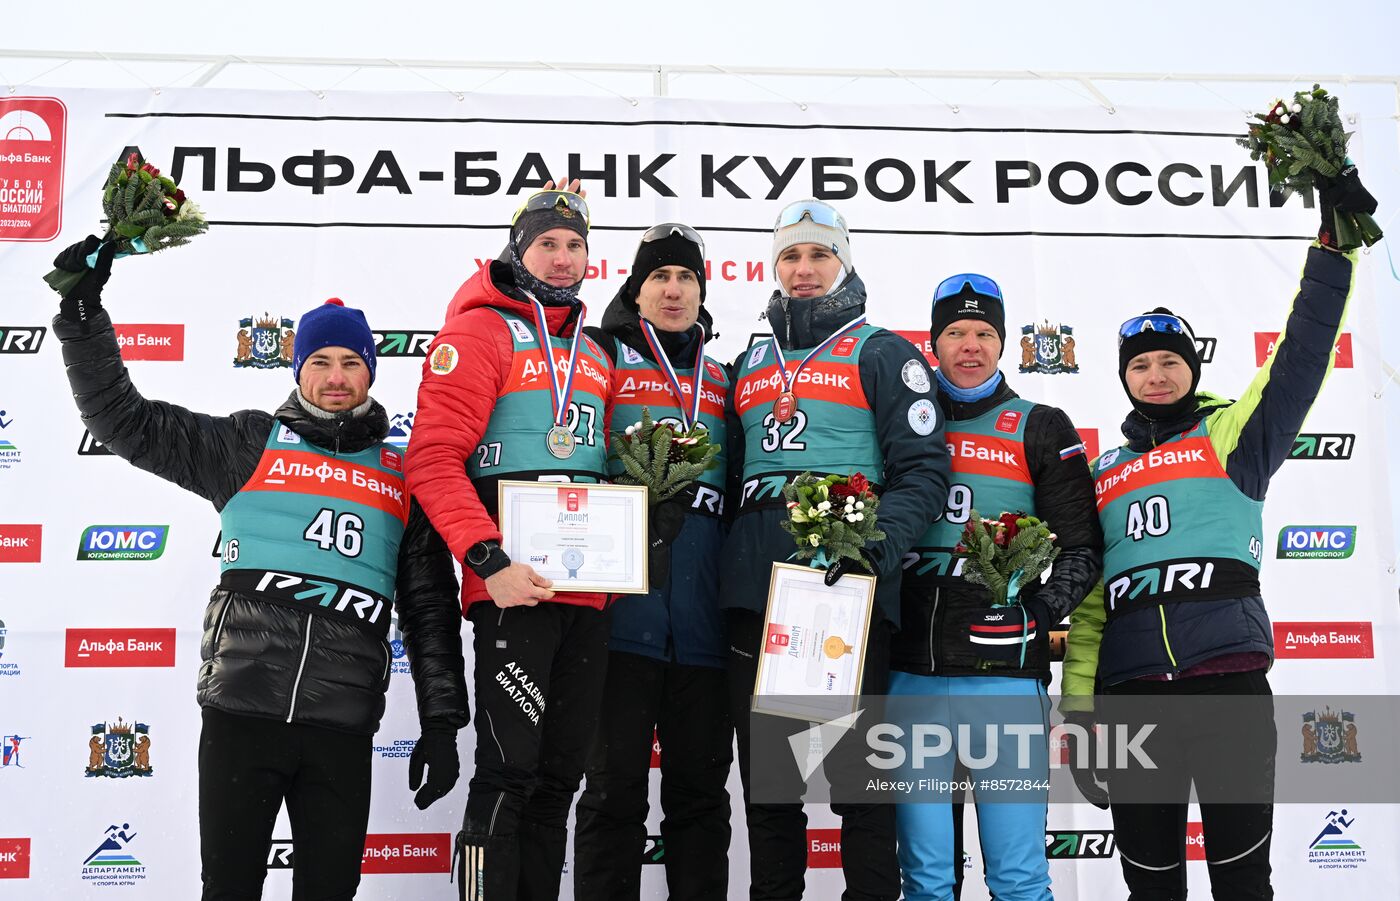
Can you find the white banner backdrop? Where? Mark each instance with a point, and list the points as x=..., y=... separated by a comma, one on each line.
x=391, y=200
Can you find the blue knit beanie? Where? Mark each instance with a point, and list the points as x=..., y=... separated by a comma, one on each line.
x=333, y=324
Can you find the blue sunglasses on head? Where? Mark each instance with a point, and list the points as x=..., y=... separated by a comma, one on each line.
x=1154, y=322
x=955, y=284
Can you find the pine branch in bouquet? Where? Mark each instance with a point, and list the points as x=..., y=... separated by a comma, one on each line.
x=145, y=211
x=831, y=517
x=655, y=455
x=1304, y=146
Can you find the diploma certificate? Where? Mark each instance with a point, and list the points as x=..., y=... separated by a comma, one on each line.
x=813, y=650
x=585, y=537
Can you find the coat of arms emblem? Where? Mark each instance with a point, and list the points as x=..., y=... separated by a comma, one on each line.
x=1048, y=349
x=264, y=343
x=1329, y=737
x=119, y=750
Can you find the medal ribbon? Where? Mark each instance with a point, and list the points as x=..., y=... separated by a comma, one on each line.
x=559, y=394
x=688, y=418
x=790, y=379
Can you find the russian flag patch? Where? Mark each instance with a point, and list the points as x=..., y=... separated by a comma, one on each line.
x=1072, y=450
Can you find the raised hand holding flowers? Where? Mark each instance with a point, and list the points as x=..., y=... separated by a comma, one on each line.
x=1303, y=146
x=831, y=519
x=145, y=211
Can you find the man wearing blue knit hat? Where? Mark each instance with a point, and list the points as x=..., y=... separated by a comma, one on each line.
x=321, y=543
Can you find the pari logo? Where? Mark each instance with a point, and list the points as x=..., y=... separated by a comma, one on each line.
x=122, y=542
x=655, y=851
x=14, y=858
x=118, y=750
x=1329, y=736
x=402, y=343
x=264, y=343
x=1336, y=847
x=21, y=339
x=112, y=862
x=89, y=446
x=152, y=341
x=10, y=751
x=1079, y=844
x=1322, y=447
x=1048, y=349
x=21, y=543
x=1316, y=542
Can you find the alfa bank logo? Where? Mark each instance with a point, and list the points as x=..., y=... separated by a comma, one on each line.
x=1264, y=343
x=1318, y=641
x=20, y=543
x=14, y=858
x=824, y=849
x=1195, y=841
x=119, y=647
x=33, y=133
x=402, y=852
x=151, y=341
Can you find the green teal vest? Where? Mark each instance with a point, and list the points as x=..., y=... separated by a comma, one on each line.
x=1175, y=527
x=513, y=445
x=638, y=382
x=320, y=531
x=990, y=475
x=831, y=433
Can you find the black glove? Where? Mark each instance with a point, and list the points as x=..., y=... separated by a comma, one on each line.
x=844, y=565
x=437, y=748
x=664, y=524
x=996, y=633
x=1086, y=778
x=1344, y=193
x=85, y=300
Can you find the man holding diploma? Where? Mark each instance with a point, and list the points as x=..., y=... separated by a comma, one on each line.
x=513, y=389
x=828, y=394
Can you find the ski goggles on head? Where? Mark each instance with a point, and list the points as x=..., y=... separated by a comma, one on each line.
x=954, y=284
x=667, y=229
x=814, y=211
x=1153, y=322
x=565, y=203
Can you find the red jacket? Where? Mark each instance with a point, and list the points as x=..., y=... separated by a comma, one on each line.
x=454, y=408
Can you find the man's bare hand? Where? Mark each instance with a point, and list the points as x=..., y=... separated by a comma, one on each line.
x=518, y=585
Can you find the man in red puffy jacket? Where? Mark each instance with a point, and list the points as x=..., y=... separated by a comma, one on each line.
x=488, y=410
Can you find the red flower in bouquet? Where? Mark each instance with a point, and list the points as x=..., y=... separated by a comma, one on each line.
x=859, y=483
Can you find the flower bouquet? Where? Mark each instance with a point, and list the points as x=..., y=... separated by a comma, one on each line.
x=831, y=517
x=1301, y=141
x=663, y=459
x=1004, y=555
x=145, y=211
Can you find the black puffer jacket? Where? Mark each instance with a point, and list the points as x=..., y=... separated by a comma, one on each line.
x=261, y=659
x=937, y=609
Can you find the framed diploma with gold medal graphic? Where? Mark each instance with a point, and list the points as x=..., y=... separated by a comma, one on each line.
x=814, y=637
x=585, y=537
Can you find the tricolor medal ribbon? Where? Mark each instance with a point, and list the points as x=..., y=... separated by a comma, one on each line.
x=689, y=417
x=559, y=439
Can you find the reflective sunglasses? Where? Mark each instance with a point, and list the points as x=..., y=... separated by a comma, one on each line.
x=564, y=203
x=814, y=210
x=954, y=285
x=1154, y=322
x=667, y=229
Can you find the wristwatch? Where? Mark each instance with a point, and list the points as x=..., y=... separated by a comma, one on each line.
x=486, y=558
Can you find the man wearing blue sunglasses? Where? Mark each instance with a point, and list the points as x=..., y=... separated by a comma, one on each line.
x=1185, y=496
x=959, y=660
